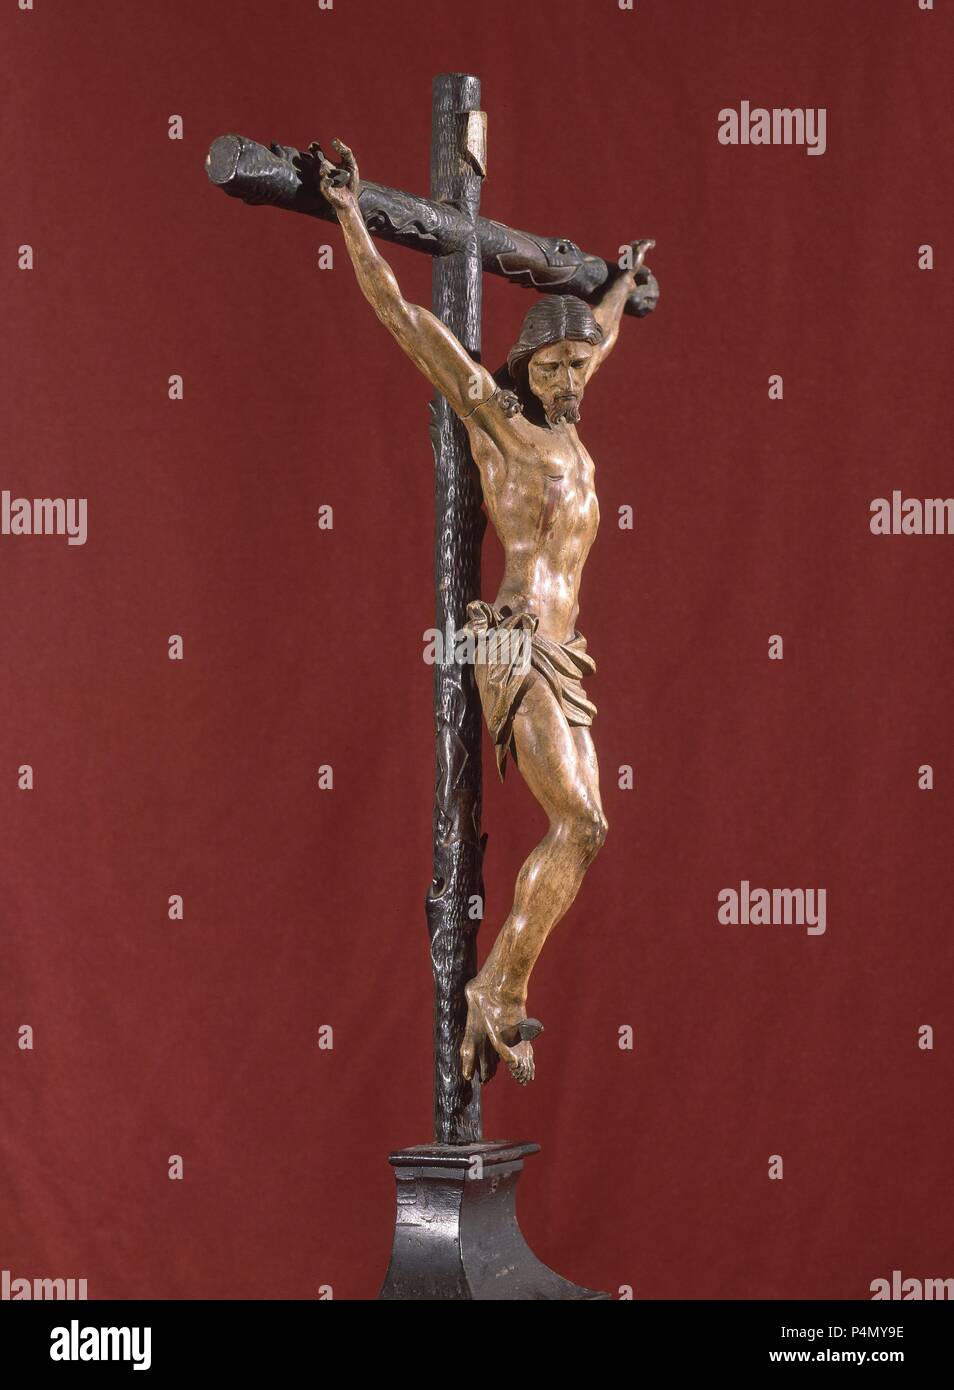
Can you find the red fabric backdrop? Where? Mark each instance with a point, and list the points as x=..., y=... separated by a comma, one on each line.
x=303, y=647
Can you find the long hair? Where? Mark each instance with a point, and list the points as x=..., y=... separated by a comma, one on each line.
x=552, y=319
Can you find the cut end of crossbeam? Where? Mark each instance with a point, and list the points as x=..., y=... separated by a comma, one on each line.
x=222, y=160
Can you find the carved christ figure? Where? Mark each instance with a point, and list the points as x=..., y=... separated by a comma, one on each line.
x=538, y=489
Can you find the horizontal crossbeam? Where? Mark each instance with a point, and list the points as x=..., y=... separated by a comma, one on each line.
x=284, y=177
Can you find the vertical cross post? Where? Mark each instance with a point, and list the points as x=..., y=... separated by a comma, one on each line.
x=455, y=896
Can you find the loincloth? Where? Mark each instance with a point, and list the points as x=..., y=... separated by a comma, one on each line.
x=517, y=650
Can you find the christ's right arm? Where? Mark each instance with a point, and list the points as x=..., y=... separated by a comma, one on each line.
x=431, y=346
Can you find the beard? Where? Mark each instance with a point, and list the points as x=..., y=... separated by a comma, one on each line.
x=564, y=411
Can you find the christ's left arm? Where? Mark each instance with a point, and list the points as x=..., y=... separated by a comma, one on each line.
x=609, y=310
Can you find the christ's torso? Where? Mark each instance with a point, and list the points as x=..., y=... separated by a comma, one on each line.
x=538, y=487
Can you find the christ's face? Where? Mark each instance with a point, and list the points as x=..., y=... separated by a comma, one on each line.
x=557, y=377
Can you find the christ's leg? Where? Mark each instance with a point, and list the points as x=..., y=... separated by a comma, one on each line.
x=559, y=766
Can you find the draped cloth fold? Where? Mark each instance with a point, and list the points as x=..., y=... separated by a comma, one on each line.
x=509, y=654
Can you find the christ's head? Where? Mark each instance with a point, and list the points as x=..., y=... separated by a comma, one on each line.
x=551, y=357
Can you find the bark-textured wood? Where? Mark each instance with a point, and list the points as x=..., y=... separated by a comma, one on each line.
x=459, y=525
x=284, y=177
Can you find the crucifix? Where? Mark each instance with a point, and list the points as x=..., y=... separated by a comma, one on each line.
x=507, y=440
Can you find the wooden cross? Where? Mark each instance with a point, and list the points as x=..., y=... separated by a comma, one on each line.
x=463, y=244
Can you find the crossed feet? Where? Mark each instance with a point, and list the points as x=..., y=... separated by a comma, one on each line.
x=497, y=1030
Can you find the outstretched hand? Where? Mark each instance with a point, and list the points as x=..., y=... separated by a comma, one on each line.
x=338, y=182
x=644, y=287
x=639, y=250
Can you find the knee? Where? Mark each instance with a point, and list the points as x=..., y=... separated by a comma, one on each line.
x=587, y=829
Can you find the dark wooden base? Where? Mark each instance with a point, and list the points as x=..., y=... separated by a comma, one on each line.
x=456, y=1235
